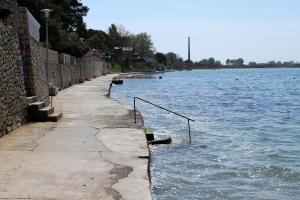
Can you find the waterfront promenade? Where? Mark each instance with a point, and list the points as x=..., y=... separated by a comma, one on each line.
x=94, y=152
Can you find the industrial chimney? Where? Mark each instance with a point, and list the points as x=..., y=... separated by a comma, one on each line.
x=189, y=49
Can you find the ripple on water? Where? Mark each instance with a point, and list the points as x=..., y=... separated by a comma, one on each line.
x=246, y=142
x=283, y=173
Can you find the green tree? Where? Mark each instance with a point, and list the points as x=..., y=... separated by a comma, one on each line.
x=72, y=18
x=125, y=35
x=218, y=63
x=65, y=23
x=73, y=46
x=143, y=45
x=204, y=62
x=171, y=57
x=240, y=61
x=161, y=58
x=126, y=65
x=114, y=37
x=211, y=61
x=180, y=60
x=228, y=62
x=98, y=39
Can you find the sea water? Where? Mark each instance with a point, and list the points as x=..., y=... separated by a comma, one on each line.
x=245, y=141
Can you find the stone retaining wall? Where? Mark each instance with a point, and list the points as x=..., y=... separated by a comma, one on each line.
x=23, y=71
x=37, y=61
x=65, y=75
x=12, y=6
x=63, y=71
x=12, y=91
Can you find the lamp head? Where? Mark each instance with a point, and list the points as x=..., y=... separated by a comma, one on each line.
x=46, y=12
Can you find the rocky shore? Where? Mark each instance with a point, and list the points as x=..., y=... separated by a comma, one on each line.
x=136, y=75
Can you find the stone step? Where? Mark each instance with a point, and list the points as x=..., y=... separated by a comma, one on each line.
x=37, y=106
x=44, y=113
x=38, y=112
x=161, y=139
x=117, y=82
x=149, y=135
x=47, y=110
x=54, y=117
x=31, y=100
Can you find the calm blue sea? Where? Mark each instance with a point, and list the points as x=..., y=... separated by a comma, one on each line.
x=246, y=139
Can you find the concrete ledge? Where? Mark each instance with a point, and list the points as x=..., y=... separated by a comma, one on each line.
x=93, y=152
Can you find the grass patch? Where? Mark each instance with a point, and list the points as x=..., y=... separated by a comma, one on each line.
x=114, y=68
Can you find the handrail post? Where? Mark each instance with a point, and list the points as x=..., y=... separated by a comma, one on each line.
x=189, y=131
x=134, y=110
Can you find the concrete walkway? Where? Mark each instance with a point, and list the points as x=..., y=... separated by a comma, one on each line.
x=94, y=152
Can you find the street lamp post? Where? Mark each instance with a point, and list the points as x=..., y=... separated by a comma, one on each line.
x=47, y=14
x=81, y=40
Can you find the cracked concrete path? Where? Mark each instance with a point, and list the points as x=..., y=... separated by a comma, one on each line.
x=94, y=152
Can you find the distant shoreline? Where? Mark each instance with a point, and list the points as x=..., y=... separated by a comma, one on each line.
x=189, y=68
x=260, y=66
x=150, y=74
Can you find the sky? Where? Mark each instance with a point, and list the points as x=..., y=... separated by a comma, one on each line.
x=256, y=30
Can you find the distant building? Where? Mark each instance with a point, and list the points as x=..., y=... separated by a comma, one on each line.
x=123, y=51
x=97, y=53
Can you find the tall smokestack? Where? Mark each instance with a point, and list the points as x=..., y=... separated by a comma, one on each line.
x=189, y=49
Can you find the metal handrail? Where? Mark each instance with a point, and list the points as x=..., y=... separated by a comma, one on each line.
x=48, y=85
x=189, y=119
